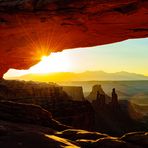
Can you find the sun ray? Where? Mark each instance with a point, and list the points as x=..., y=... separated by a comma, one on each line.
x=56, y=62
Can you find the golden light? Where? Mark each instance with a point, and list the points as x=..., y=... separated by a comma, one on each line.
x=44, y=58
x=55, y=62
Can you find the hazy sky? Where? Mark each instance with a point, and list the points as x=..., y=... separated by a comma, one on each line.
x=129, y=55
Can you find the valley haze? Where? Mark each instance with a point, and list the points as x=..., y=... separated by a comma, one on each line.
x=129, y=86
x=83, y=76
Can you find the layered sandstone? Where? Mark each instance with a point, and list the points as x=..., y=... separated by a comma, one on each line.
x=76, y=92
x=51, y=97
x=32, y=28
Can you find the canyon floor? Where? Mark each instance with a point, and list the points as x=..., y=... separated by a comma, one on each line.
x=39, y=115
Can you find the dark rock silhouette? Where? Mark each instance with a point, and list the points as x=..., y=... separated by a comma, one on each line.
x=96, y=93
x=28, y=113
x=136, y=137
x=20, y=135
x=114, y=101
x=107, y=142
x=100, y=99
x=76, y=92
x=29, y=125
x=26, y=129
x=75, y=134
x=29, y=139
x=51, y=97
x=114, y=117
x=16, y=135
x=101, y=115
x=79, y=114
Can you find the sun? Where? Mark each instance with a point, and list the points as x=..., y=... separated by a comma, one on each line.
x=55, y=62
x=44, y=58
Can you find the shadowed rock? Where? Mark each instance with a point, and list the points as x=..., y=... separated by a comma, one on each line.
x=75, y=134
x=76, y=92
x=115, y=117
x=139, y=138
x=114, y=101
x=34, y=139
x=51, y=97
x=23, y=126
x=96, y=93
x=108, y=142
x=97, y=140
x=28, y=113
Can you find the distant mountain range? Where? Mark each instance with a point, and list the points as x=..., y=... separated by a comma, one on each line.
x=84, y=76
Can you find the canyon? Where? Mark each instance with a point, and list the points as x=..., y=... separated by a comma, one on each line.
x=97, y=112
x=34, y=126
x=34, y=114
x=53, y=98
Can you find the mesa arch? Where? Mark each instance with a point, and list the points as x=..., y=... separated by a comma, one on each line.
x=32, y=28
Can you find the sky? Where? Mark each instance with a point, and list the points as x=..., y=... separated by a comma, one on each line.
x=129, y=55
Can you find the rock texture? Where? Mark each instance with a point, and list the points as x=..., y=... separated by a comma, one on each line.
x=31, y=92
x=111, y=118
x=76, y=92
x=27, y=135
x=27, y=113
x=136, y=137
x=23, y=125
x=52, y=98
x=32, y=28
x=31, y=139
x=78, y=114
x=98, y=140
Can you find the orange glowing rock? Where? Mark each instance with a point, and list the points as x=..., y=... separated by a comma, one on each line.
x=32, y=28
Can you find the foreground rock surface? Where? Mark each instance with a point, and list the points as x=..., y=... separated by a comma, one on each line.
x=29, y=136
x=139, y=138
x=27, y=113
x=31, y=28
x=28, y=126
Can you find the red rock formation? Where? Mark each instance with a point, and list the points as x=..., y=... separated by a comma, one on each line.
x=32, y=28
